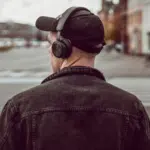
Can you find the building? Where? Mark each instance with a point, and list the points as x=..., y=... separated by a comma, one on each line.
x=113, y=14
x=15, y=30
x=134, y=26
x=131, y=19
x=146, y=27
x=138, y=26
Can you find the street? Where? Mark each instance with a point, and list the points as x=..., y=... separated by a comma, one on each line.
x=21, y=69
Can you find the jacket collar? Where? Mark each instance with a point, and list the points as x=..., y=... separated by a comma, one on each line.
x=75, y=70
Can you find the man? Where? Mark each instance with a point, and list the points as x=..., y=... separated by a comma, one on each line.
x=74, y=108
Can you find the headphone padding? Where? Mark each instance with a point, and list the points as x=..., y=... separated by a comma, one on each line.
x=62, y=48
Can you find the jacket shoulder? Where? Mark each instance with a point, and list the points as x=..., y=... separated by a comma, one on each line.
x=122, y=99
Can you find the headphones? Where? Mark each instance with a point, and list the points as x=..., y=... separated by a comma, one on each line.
x=62, y=47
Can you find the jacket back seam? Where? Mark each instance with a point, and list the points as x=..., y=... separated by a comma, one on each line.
x=78, y=109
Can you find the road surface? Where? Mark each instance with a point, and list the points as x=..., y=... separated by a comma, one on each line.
x=21, y=69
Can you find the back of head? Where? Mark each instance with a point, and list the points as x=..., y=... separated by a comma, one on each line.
x=86, y=31
x=81, y=27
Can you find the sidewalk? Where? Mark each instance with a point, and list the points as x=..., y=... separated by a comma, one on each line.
x=26, y=71
x=119, y=65
x=112, y=64
x=130, y=73
x=137, y=86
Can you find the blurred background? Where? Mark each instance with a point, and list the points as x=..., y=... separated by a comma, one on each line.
x=125, y=60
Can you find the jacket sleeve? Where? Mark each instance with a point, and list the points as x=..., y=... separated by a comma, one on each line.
x=8, y=128
x=142, y=133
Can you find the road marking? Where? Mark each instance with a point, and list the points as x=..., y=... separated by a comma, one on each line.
x=140, y=91
x=24, y=74
x=20, y=80
x=31, y=60
x=146, y=104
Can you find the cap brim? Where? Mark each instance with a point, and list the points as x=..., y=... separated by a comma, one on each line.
x=46, y=23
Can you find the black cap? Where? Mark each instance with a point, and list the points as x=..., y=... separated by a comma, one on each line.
x=85, y=31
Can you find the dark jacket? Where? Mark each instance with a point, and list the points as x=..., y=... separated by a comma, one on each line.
x=74, y=109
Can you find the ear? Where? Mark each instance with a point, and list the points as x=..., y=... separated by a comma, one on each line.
x=51, y=52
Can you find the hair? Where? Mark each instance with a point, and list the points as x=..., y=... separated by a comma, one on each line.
x=83, y=53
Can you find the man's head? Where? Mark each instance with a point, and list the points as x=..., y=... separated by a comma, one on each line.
x=76, y=35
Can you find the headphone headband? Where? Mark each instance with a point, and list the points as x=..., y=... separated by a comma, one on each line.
x=66, y=15
x=62, y=47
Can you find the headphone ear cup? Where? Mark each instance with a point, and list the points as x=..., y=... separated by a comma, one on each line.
x=68, y=46
x=57, y=49
x=62, y=48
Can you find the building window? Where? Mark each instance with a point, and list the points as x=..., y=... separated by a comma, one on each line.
x=111, y=11
x=116, y=1
x=148, y=34
x=135, y=41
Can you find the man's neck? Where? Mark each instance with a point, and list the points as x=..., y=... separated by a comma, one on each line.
x=78, y=62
